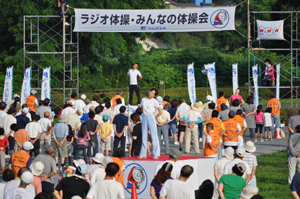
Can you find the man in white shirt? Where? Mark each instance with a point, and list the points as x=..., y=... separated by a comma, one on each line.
x=118, y=106
x=46, y=125
x=99, y=173
x=34, y=131
x=2, y=108
x=107, y=188
x=8, y=120
x=79, y=104
x=179, y=189
x=68, y=110
x=182, y=109
x=89, y=104
x=135, y=76
x=173, y=158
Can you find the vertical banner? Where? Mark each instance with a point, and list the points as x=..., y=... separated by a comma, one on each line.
x=191, y=83
x=26, y=85
x=8, y=85
x=211, y=75
x=235, y=75
x=278, y=81
x=46, y=85
x=255, y=74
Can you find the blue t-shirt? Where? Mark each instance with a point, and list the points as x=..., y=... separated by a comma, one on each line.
x=63, y=3
x=172, y=112
x=120, y=121
x=61, y=130
x=295, y=185
x=22, y=121
x=85, y=117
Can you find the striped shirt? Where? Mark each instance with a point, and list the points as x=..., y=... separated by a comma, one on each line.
x=251, y=160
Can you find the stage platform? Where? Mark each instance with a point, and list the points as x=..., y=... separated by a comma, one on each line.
x=142, y=170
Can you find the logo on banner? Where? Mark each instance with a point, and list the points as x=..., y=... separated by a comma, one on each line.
x=219, y=19
x=8, y=74
x=45, y=74
x=137, y=174
x=269, y=31
x=211, y=71
x=234, y=71
x=191, y=71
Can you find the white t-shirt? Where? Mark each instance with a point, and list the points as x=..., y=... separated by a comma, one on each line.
x=134, y=76
x=78, y=105
x=6, y=122
x=106, y=189
x=268, y=120
x=183, y=109
x=19, y=193
x=149, y=106
x=2, y=114
x=87, y=108
x=220, y=164
x=2, y=185
x=230, y=164
x=98, y=174
x=175, y=189
x=33, y=129
x=117, y=109
x=95, y=103
x=27, y=115
x=175, y=171
x=16, y=183
x=67, y=111
x=193, y=116
x=45, y=124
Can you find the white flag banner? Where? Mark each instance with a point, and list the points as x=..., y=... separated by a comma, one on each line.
x=8, y=85
x=211, y=75
x=235, y=75
x=255, y=75
x=26, y=86
x=191, y=83
x=46, y=85
x=278, y=81
x=270, y=30
x=161, y=20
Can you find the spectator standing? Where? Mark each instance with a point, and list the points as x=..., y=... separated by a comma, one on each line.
x=221, y=100
x=235, y=105
x=209, y=99
x=73, y=98
x=232, y=131
x=182, y=109
x=268, y=124
x=45, y=108
x=206, y=190
x=46, y=125
x=136, y=135
x=22, y=120
x=118, y=106
x=3, y=145
x=32, y=103
x=120, y=124
x=70, y=147
x=68, y=110
x=98, y=118
x=251, y=160
x=113, y=101
x=249, y=109
x=172, y=124
x=293, y=122
x=259, y=120
x=99, y=173
x=135, y=76
x=236, y=96
x=206, y=116
x=276, y=106
x=7, y=176
x=162, y=126
x=79, y=103
x=74, y=121
x=20, y=136
x=2, y=112
x=105, y=133
x=88, y=106
x=213, y=141
x=83, y=137
x=34, y=131
x=92, y=128
x=108, y=112
x=223, y=115
x=243, y=124
x=294, y=153
x=7, y=121
x=95, y=100
x=96, y=163
x=15, y=103
x=37, y=169
x=117, y=155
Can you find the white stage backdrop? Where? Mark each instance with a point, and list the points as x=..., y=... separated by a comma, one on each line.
x=163, y=20
x=26, y=86
x=254, y=72
x=46, y=85
x=278, y=81
x=8, y=85
x=191, y=83
x=235, y=75
x=270, y=30
x=211, y=75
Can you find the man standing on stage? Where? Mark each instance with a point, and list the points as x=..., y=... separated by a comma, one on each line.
x=135, y=76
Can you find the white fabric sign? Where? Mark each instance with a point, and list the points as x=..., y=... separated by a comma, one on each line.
x=255, y=75
x=191, y=83
x=278, y=81
x=270, y=30
x=26, y=86
x=8, y=85
x=163, y=20
x=46, y=85
x=211, y=75
x=235, y=75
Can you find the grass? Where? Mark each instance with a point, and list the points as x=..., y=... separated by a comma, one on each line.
x=272, y=176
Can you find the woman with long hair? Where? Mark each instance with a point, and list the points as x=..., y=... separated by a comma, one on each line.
x=16, y=104
x=249, y=109
x=83, y=137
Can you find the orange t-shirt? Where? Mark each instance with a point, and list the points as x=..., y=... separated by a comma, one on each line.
x=121, y=164
x=21, y=136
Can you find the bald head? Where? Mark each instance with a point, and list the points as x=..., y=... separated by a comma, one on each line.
x=47, y=114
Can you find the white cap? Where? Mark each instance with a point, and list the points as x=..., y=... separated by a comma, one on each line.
x=159, y=99
x=16, y=95
x=209, y=98
x=98, y=157
x=71, y=103
x=83, y=96
x=27, y=145
x=37, y=168
x=249, y=191
x=27, y=177
x=33, y=91
x=240, y=152
x=25, y=110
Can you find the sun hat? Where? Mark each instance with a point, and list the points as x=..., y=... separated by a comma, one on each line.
x=83, y=169
x=209, y=98
x=27, y=145
x=16, y=95
x=167, y=106
x=92, y=108
x=27, y=177
x=223, y=107
x=240, y=152
x=25, y=110
x=196, y=106
x=78, y=162
x=241, y=167
x=63, y=118
x=33, y=91
x=159, y=99
x=106, y=160
x=231, y=114
x=228, y=153
x=37, y=168
x=83, y=96
x=249, y=146
x=175, y=154
x=98, y=157
x=11, y=111
x=249, y=191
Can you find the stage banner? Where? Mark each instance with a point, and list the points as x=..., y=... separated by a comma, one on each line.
x=46, y=85
x=270, y=30
x=8, y=85
x=161, y=20
x=26, y=86
x=255, y=75
x=191, y=83
x=211, y=75
x=235, y=75
x=278, y=81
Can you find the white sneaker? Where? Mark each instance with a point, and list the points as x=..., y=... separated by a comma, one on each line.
x=126, y=149
x=261, y=140
x=7, y=156
x=176, y=143
x=200, y=139
x=67, y=24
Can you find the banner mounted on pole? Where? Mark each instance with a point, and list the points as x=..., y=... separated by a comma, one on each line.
x=46, y=85
x=278, y=81
x=191, y=83
x=26, y=86
x=255, y=75
x=161, y=20
x=270, y=30
x=8, y=85
x=211, y=75
x=235, y=75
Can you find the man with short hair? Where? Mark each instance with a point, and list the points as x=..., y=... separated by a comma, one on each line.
x=32, y=102
x=293, y=122
x=6, y=122
x=232, y=131
x=120, y=124
x=2, y=112
x=46, y=126
x=88, y=106
x=213, y=141
x=206, y=116
x=114, y=99
x=92, y=127
x=107, y=188
x=179, y=189
x=34, y=131
x=73, y=98
x=50, y=169
x=79, y=103
x=276, y=106
x=182, y=109
x=68, y=110
x=108, y=112
x=45, y=108
x=221, y=100
x=95, y=99
x=223, y=115
x=22, y=120
x=135, y=76
x=118, y=106
x=99, y=173
x=243, y=124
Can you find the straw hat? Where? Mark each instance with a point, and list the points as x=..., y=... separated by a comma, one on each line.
x=196, y=106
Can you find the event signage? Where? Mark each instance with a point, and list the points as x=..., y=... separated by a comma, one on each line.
x=26, y=86
x=270, y=30
x=191, y=83
x=235, y=75
x=255, y=75
x=46, y=85
x=278, y=81
x=211, y=75
x=8, y=85
x=161, y=20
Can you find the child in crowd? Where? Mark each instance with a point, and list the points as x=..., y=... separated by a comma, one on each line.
x=83, y=137
x=136, y=134
x=259, y=120
x=70, y=140
x=105, y=132
x=3, y=145
x=268, y=123
x=117, y=155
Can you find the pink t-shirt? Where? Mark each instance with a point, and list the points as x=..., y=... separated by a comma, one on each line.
x=259, y=117
x=37, y=184
x=233, y=97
